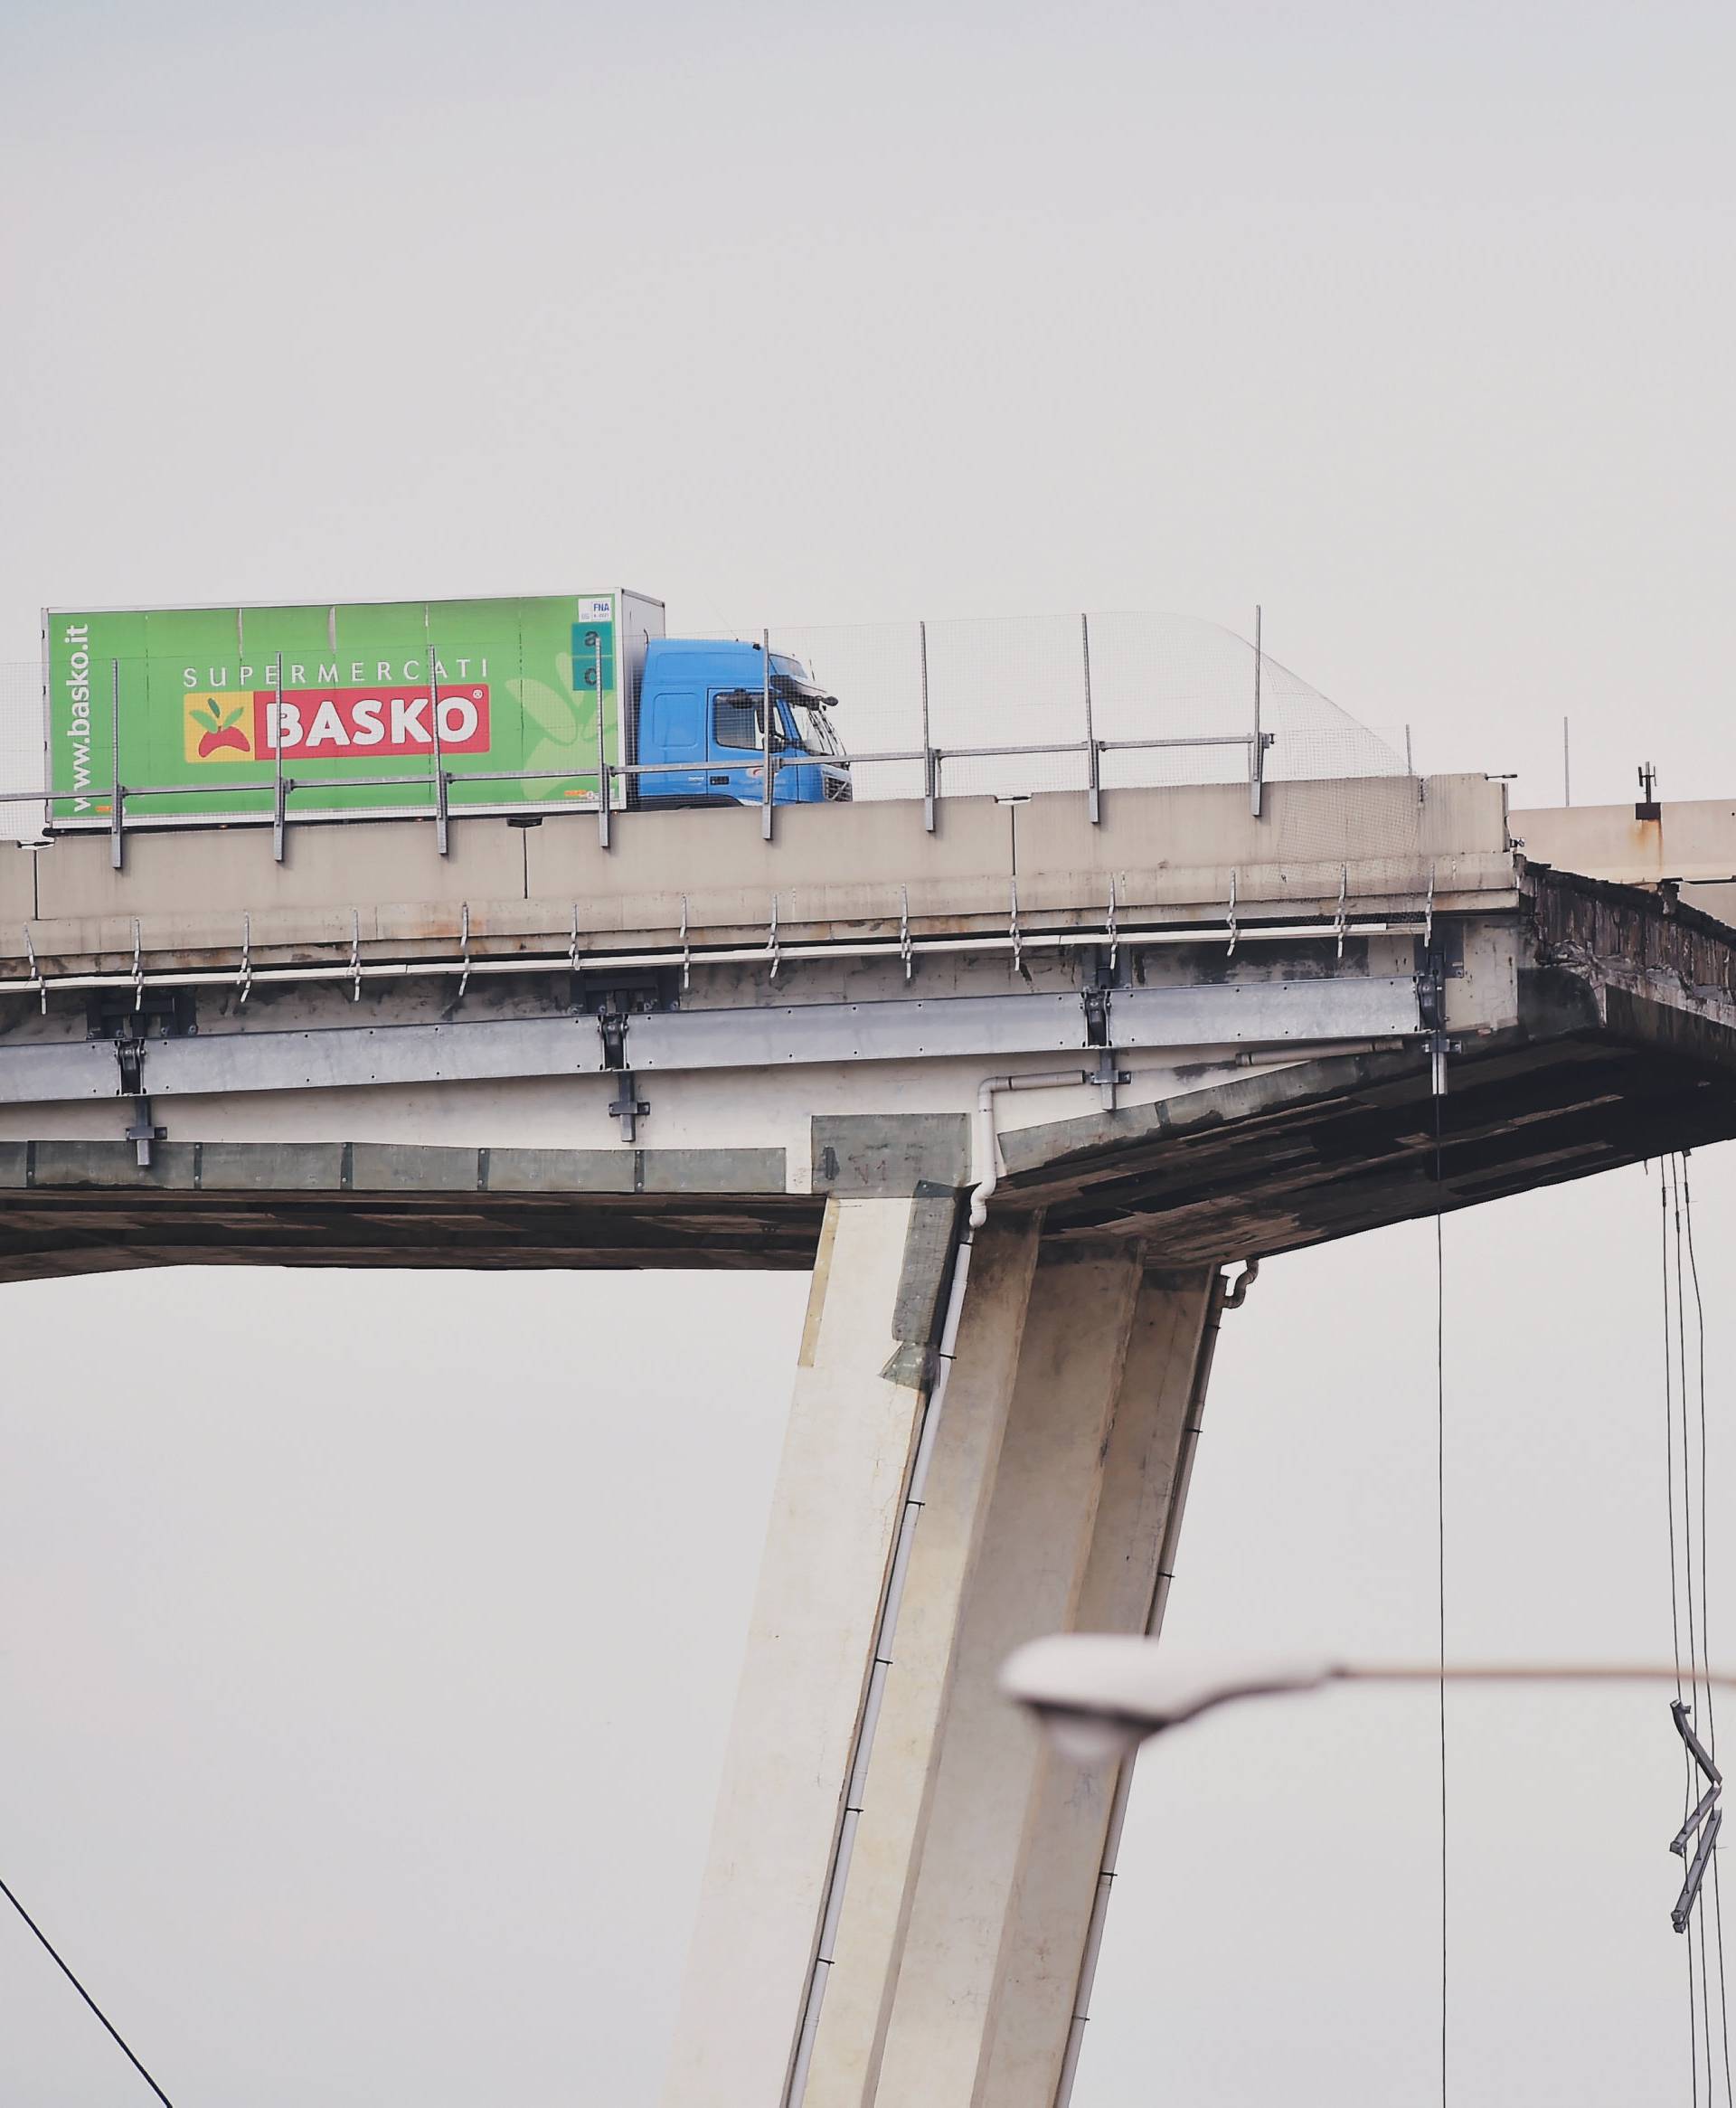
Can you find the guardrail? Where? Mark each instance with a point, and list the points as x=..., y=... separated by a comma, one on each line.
x=888, y=684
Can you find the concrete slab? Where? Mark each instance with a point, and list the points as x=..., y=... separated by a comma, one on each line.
x=17, y=885
x=1691, y=839
x=827, y=863
x=190, y=886
x=1178, y=845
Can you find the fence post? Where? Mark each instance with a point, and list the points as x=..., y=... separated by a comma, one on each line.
x=1092, y=783
x=930, y=785
x=434, y=714
x=602, y=750
x=765, y=718
x=276, y=781
x=1257, y=754
x=116, y=796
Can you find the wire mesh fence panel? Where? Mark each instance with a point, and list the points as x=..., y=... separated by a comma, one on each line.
x=994, y=707
x=1313, y=753
x=1007, y=684
x=1170, y=699
x=23, y=762
x=1170, y=679
x=875, y=670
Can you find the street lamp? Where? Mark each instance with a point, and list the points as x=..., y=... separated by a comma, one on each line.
x=1100, y=1694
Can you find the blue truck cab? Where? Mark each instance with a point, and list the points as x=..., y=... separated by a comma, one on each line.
x=701, y=728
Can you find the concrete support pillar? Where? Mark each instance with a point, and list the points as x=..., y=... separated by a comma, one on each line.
x=983, y=1999
x=955, y=1943
x=860, y=1382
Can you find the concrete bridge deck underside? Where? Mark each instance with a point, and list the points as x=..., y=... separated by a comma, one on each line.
x=1621, y=1049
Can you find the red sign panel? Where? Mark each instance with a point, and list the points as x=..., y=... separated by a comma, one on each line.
x=323, y=724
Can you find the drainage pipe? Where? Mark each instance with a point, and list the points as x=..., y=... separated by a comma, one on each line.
x=987, y=1163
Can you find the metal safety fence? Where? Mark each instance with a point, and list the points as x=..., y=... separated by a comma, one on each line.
x=924, y=710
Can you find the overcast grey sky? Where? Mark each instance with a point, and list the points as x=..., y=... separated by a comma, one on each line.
x=335, y=1609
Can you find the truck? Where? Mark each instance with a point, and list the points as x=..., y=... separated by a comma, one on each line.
x=520, y=707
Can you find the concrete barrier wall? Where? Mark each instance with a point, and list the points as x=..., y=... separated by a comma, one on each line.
x=827, y=866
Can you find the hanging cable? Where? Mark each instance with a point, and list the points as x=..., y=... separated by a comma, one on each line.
x=1705, y=1637
x=1688, y=1485
x=1703, y=2037
x=85, y=1995
x=1675, y=1587
x=1441, y=1560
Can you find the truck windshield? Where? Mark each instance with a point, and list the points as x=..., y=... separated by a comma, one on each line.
x=739, y=722
x=815, y=728
x=806, y=708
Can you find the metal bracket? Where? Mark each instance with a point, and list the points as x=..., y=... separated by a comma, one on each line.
x=129, y=1054
x=142, y=1133
x=37, y=981
x=1431, y=1011
x=612, y=1026
x=773, y=958
x=906, y=955
x=1013, y=928
x=1233, y=931
x=1696, y=1749
x=629, y=1107
x=244, y=979
x=464, y=949
x=1344, y=903
x=1707, y=1818
x=1702, y=1807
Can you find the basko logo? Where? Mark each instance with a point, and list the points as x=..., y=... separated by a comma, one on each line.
x=253, y=726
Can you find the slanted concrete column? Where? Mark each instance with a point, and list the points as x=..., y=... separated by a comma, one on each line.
x=966, y=1916
x=860, y=1380
x=955, y=1943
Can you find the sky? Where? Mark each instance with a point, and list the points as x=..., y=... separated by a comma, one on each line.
x=366, y=1647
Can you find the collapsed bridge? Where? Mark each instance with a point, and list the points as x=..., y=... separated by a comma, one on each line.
x=1139, y=1038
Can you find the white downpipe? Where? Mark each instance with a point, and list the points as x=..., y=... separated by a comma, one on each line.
x=986, y=1154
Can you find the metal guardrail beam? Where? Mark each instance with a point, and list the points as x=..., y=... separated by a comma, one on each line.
x=1264, y=1013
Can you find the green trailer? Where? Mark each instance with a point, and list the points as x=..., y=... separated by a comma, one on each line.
x=161, y=716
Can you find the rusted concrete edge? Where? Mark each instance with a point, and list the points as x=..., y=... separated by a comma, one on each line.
x=888, y=1155
x=919, y=1305
x=1659, y=981
x=386, y=1169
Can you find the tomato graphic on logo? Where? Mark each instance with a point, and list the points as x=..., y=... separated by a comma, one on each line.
x=225, y=730
x=217, y=724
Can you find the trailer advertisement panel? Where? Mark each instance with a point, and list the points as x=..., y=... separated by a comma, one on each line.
x=202, y=712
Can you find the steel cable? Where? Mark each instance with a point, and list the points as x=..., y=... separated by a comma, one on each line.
x=1676, y=1614
x=1441, y=1558
x=85, y=1995
x=1705, y=1644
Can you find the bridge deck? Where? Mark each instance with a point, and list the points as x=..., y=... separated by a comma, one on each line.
x=430, y=1082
